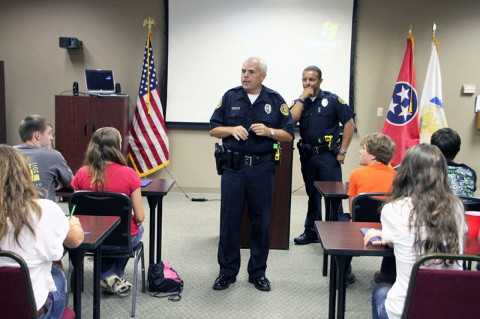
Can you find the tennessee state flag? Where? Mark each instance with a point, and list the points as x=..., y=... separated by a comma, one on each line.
x=401, y=123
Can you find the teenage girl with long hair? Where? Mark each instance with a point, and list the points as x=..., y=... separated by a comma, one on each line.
x=422, y=216
x=105, y=169
x=36, y=229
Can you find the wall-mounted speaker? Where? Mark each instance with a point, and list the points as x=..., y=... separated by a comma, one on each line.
x=69, y=43
x=75, y=88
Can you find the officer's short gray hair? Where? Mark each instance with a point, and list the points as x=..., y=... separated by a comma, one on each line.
x=261, y=62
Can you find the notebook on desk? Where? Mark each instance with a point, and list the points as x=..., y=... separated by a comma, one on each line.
x=372, y=240
x=145, y=182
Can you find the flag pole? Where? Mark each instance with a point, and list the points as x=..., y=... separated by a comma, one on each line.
x=411, y=38
x=149, y=22
x=434, y=30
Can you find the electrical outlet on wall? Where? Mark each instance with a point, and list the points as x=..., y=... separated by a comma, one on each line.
x=380, y=111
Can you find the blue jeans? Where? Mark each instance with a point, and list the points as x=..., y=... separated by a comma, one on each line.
x=116, y=266
x=378, y=301
x=58, y=299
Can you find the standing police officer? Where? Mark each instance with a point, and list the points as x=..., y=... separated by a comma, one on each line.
x=320, y=113
x=249, y=119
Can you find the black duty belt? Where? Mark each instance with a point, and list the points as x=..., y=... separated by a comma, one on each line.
x=252, y=160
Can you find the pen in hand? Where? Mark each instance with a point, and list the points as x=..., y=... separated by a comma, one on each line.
x=71, y=213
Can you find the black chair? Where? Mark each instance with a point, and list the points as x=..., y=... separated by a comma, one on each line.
x=103, y=203
x=471, y=203
x=441, y=293
x=366, y=207
x=17, y=299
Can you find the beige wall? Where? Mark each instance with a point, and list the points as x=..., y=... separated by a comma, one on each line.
x=113, y=37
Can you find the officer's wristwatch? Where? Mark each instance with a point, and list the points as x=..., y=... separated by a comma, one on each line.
x=342, y=151
x=272, y=132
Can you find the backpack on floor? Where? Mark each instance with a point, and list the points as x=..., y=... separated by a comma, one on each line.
x=162, y=278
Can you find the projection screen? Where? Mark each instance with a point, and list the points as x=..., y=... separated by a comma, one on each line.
x=208, y=41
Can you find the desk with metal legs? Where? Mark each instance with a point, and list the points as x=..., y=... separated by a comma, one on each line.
x=155, y=191
x=96, y=229
x=333, y=193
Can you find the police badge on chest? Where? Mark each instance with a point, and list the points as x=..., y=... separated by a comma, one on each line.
x=268, y=108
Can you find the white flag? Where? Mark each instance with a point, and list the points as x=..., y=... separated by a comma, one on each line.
x=432, y=114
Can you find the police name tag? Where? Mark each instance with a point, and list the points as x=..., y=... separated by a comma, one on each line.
x=268, y=108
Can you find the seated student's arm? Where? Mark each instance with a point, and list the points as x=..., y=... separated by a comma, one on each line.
x=75, y=234
x=372, y=233
x=138, y=213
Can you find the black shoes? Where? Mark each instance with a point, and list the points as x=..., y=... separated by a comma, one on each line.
x=261, y=283
x=305, y=239
x=222, y=282
x=379, y=278
x=350, y=278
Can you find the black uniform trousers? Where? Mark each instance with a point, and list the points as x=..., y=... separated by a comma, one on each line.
x=255, y=185
x=321, y=167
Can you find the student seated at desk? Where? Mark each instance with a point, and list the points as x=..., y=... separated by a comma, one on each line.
x=105, y=169
x=36, y=229
x=422, y=216
x=462, y=178
x=375, y=176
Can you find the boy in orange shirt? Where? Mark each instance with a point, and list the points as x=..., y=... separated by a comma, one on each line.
x=375, y=176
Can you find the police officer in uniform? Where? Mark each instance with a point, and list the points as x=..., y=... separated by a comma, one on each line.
x=249, y=119
x=320, y=113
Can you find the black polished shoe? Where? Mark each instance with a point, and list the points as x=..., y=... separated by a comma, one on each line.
x=379, y=278
x=305, y=239
x=222, y=282
x=261, y=283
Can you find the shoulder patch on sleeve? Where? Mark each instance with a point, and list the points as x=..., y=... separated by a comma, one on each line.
x=284, y=109
x=219, y=104
x=341, y=100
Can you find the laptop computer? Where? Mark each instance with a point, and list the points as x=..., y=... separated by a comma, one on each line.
x=100, y=82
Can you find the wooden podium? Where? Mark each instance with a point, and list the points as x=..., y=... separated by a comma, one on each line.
x=77, y=118
x=281, y=203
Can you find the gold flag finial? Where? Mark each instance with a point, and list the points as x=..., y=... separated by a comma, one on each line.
x=410, y=30
x=434, y=29
x=148, y=22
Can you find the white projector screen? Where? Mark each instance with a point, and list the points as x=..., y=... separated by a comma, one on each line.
x=209, y=40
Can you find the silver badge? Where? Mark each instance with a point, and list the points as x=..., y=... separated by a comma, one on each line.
x=324, y=102
x=268, y=108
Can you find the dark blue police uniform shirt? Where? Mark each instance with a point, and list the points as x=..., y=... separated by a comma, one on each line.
x=235, y=109
x=322, y=116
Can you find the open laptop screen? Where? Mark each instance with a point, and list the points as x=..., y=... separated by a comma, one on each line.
x=100, y=81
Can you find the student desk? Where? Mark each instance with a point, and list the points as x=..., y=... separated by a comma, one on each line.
x=333, y=193
x=96, y=229
x=155, y=191
x=345, y=239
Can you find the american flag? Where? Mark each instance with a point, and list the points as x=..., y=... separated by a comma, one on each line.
x=148, y=140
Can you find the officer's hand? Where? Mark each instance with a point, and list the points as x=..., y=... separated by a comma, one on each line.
x=341, y=158
x=239, y=132
x=260, y=129
x=307, y=92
